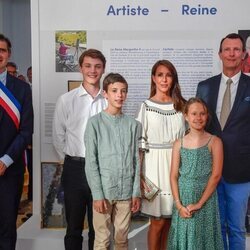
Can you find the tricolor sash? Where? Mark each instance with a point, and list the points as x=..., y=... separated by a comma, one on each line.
x=10, y=104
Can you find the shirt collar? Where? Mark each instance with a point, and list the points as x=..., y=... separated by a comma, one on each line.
x=235, y=78
x=112, y=117
x=82, y=92
x=3, y=77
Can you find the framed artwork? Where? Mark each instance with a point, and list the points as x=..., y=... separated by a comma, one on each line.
x=73, y=84
x=53, y=210
x=69, y=47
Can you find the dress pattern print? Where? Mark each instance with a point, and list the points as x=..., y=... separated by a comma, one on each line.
x=202, y=231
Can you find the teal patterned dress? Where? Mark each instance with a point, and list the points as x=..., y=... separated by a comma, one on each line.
x=202, y=231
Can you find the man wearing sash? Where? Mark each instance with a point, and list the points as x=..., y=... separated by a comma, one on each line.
x=16, y=128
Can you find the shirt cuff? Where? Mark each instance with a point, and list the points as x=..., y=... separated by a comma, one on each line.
x=6, y=160
x=98, y=195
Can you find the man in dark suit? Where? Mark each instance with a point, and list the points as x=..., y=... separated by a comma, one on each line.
x=16, y=128
x=234, y=130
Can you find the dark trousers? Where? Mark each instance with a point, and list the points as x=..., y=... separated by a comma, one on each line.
x=30, y=170
x=78, y=200
x=11, y=186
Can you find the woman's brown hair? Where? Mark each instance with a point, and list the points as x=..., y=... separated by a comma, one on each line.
x=175, y=91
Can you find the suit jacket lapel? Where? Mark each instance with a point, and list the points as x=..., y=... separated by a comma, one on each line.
x=215, y=85
x=214, y=93
x=9, y=83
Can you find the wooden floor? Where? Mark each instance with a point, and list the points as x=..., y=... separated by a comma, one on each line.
x=25, y=209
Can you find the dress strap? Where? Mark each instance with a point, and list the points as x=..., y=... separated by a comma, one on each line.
x=209, y=140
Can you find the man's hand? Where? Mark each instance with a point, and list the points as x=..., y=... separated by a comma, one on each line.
x=136, y=203
x=100, y=206
x=2, y=168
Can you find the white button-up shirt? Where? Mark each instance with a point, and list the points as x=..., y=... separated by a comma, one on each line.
x=72, y=112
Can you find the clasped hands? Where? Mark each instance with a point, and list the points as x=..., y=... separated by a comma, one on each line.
x=189, y=210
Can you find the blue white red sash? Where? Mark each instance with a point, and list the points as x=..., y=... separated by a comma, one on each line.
x=10, y=104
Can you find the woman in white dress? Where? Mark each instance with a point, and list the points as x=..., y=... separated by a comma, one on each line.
x=162, y=123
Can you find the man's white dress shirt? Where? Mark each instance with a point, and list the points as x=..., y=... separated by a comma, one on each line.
x=72, y=112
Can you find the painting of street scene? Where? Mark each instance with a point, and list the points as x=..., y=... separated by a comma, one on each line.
x=53, y=210
x=69, y=46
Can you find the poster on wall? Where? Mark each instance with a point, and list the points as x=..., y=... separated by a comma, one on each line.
x=69, y=46
x=132, y=35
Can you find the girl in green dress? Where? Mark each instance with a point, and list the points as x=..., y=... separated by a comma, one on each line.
x=196, y=169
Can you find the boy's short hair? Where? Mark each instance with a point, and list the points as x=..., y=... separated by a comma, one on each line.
x=112, y=78
x=6, y=39
x=93, y=53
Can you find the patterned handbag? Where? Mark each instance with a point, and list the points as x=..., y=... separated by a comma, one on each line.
x=149, y=189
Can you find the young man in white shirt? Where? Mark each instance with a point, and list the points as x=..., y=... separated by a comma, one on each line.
x=73, y=110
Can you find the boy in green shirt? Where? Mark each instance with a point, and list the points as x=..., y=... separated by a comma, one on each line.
x=112, y=166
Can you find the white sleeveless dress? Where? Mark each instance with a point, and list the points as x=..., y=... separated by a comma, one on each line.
x=161, y=126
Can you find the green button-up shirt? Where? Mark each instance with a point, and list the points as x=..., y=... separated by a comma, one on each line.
x=112, y=156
